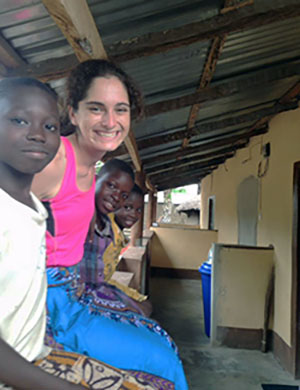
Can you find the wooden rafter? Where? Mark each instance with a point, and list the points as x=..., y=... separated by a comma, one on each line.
x=206, y=77
x=10, y=59
x=78, y=26
x=232, y=5
x=149, y=44
x=211, y=64
x=131, y=146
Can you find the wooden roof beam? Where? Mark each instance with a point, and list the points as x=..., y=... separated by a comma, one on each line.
x=210, y=65
x=78, y=26
x=206, y=77
x=10, y=59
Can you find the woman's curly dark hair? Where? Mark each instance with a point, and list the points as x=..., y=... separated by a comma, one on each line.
x=80, y=80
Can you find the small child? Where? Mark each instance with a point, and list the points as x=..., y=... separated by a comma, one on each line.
x=29, y=139
x=131, y=211
x=113, y=186
x=125, y=217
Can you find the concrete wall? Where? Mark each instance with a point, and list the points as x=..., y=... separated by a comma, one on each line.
x=275, y=203
x=179, y=246
x=240, y=278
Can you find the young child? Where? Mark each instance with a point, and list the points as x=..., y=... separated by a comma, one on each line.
x=125, y=217
x=29, y=139
x=114, y=183
x=89, y=316
x=131, y=212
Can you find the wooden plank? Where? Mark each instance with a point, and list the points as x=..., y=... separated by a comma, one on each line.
x=9, y=57
x=149, y=185
x=78, y=26
x=132, y=149
x=232, y=5
x=52, y=69
x=210, y=67
x=207, y=75
x=123, y=277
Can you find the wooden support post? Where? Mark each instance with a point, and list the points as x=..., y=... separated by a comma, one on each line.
x=150, y=210
x=137, y=229
x=154, y=207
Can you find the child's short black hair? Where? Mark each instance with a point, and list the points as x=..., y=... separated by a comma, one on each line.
x=9, y=83
x=137, y=190
x=115, y=165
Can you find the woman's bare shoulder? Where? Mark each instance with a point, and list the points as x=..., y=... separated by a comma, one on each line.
x=46, y=184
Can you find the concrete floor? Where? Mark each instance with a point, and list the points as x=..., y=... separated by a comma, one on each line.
x=178, y=307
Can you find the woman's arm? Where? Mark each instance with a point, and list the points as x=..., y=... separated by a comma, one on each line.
x=17, y=372
x=47, y=183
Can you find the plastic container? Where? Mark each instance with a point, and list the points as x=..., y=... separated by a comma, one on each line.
x=205, y=271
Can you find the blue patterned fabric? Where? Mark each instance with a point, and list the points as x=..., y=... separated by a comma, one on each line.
x=89, y=321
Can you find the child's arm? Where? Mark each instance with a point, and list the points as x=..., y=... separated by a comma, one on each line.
x=20, y=374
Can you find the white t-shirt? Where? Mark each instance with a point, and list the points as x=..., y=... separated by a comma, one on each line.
x=23, y=283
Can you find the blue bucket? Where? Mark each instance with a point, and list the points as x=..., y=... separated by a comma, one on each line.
x=205, y=271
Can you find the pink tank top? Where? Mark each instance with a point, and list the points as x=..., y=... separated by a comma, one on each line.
x=70, y=213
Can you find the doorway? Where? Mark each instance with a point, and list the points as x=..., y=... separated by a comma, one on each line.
x=211, y=212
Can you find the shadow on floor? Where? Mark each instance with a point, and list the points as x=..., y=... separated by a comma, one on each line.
x=178, y=307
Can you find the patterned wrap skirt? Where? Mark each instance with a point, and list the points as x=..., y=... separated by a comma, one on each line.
x=97, y=322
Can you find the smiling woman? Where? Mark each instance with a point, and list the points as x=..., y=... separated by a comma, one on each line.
x=99, y=99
